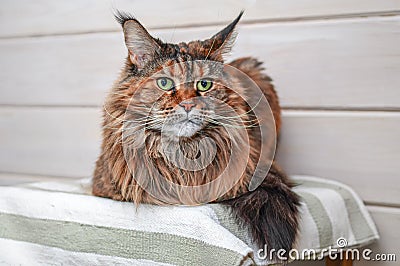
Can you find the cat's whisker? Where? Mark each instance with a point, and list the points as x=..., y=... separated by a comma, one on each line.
x=139, y=119
x=245, y=113
x=139, y=126
x=236, y=119
x=125, y=120
x=120, y=94
x=133, y=106
x=230, y=125
x=109, y=127
x=138, y=106
x=230, y=118
x=143, y=126
x=109, y=114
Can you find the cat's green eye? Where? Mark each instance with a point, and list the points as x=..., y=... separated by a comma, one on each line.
x=165, y=84
x=204, y=85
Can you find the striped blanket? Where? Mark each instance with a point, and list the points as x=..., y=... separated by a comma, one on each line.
x=60, y=223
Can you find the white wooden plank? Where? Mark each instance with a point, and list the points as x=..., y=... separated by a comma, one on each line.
x=57, y=142
x=387, y=221
x=26, y=18
x=348, y=63
x=344, y=63
x=72, y=70
x=360, y=149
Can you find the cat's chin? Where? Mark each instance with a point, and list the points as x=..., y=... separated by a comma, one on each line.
x=185, y=129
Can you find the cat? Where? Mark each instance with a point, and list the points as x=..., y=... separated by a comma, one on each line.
x=141, y=110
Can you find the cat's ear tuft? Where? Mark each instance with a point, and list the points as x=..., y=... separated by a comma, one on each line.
x=141, y=45
x=222, y=42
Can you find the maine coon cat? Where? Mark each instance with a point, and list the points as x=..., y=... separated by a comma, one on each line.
x=157, y=114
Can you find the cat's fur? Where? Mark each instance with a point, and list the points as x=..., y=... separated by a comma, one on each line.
x=270, y=211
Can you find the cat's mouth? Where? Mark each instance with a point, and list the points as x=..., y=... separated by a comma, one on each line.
x=184, y=126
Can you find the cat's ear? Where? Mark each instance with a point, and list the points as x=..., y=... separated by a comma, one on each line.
x=141, y=45
x=222, y=42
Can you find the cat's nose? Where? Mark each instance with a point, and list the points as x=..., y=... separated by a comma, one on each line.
x=187, y=105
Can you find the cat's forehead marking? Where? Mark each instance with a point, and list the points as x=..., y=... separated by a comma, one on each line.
x=185, y=71
x=194, y=50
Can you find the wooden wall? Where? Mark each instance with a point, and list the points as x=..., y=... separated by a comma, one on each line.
x=336, y=66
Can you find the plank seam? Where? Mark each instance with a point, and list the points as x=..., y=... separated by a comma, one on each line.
x=244, y=22
x=284, y=108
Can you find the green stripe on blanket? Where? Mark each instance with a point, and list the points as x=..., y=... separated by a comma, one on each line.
x=160, y=247
x=320, y=217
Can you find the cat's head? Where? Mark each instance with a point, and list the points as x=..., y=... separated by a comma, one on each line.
x=183, y=87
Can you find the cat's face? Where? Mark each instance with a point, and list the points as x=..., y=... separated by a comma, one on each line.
x=184, y=88
x=185, y=98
